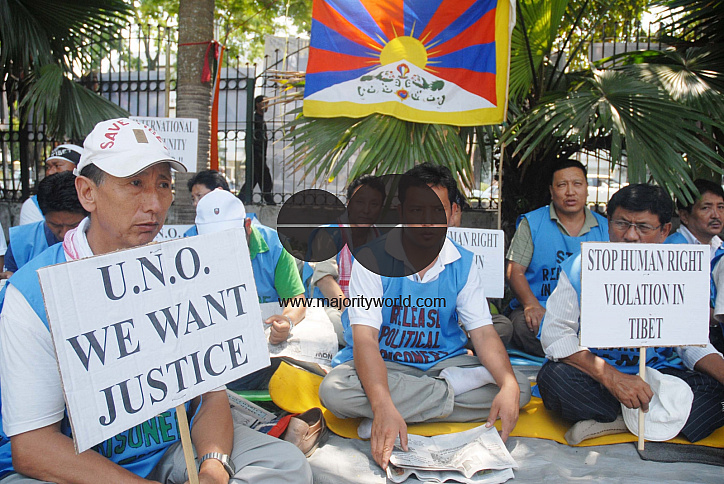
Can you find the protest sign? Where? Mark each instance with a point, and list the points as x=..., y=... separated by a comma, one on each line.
x=170, y=232
x=180, y=135
x=139, y=331
x=642, y=295
x=487, y=248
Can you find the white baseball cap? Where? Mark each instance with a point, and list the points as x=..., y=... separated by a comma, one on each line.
x=66, y=152
x=668, y=410
x=123, y=147
x=219, y=210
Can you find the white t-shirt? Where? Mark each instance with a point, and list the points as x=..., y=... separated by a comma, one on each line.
x=472, y=307
x=30, y=213
x=3, y=242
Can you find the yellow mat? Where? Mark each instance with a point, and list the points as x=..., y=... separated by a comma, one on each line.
x=296, y=390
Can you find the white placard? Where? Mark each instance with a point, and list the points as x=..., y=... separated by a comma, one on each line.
x=171, y=232
x=487, y=248
x=163, y=323
x=181, y=136
x=641, y=295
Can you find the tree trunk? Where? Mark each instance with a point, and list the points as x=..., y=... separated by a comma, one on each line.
x=196, y=24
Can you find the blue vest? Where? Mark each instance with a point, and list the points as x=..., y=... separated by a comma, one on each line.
x=137, y=449
x=550, y=248
x=625, y=360
x=27, y=241
x=417, y=336
x=264, y=264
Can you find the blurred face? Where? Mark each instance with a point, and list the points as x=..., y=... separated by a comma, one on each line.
x=364, y=206
x=637, y=227
x=57, y=165
x=126, y=212
x=569, y=191
x=61, y=222
x=428, y=215
x=198, y=192
x=705, y=219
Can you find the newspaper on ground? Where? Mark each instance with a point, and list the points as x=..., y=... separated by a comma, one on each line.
x=489, y=476
x=251, y=415
x=464, y=454
x=313, y=340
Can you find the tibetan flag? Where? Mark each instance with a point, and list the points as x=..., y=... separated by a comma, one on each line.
x=427, y=61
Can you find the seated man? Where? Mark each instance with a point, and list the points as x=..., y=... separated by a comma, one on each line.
x=275, y=272
x=589, y=386
x=701, y=222
x=59, y=203
x=330, y=278
x=125, y=185
x=545, y=238
x=203, y=183
x=409, y=364
x=62, y=158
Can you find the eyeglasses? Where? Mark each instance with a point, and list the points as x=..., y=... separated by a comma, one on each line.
x=641, y=229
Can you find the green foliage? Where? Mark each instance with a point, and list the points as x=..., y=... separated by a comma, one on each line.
x=381, y=144
x=41, y=41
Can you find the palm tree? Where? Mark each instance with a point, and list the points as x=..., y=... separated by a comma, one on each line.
x=43, y=44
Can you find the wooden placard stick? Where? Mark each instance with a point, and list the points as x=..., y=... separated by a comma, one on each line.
x=642, y=374
x=183, y=426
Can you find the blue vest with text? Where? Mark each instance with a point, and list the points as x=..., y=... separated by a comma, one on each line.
x=550, y=248
x=626, y=360
x=264, y=264
x=27, y=241
x=414, y=332
x=139, y=448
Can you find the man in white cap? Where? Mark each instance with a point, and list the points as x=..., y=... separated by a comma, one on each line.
x=124, y=183
x=275, y=271
x=62, y=158
x=588, y=386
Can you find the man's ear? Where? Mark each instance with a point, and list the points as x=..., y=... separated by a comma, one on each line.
x=86, y=190
x=666, y=229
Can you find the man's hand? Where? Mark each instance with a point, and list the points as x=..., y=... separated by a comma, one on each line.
x=6, y=274
x=387, y=425
x=533, y=316
x=505, y=406
x=212, y=472
x=630, y=390
x=280, y=328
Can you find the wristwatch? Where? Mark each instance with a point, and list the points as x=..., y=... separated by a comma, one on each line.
x=223, y=458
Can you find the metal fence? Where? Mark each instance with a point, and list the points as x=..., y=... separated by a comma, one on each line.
x=139, y=74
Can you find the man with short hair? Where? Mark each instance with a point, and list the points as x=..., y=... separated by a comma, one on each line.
x=409, y=364
x=62, y=158
x=275, y=272
x=203, y=183
x=62, y=210
x=588, y=386
x=125, y=185
x=701, y=223
x=546, y=237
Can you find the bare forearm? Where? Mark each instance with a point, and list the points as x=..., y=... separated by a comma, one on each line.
x=330, y=289
x=712, y=365
x=213, y=431
x=49, y=456
x=492, y=355
x=372, y=373
x=590, y=364
x=296, y=314
x=516, y=278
